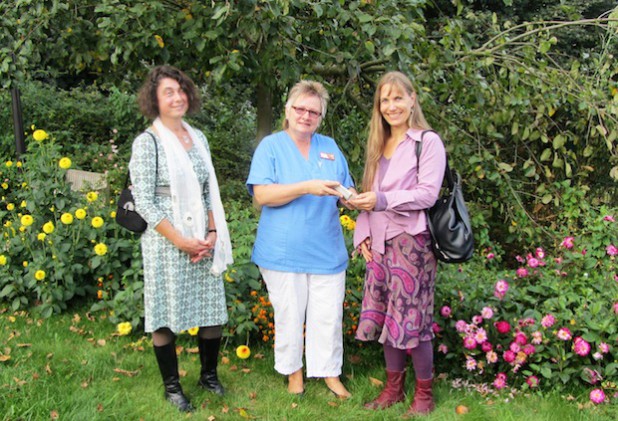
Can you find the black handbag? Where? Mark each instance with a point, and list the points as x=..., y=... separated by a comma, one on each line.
x=448, y=219
x=126, y=216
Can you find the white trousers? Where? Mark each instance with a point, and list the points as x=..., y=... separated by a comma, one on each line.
x=314, y=300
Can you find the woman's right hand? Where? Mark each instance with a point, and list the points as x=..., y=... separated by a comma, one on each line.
x=365, y=249
x=365, y=201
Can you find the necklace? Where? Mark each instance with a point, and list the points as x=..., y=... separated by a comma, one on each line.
x=185, y=139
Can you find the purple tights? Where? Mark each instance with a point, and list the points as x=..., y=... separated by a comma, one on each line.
x=422, y=359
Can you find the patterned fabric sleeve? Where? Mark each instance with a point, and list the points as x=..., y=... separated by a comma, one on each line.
x=143, y=178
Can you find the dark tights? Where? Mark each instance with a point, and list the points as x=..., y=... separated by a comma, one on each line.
x=164, y=336
x=422, y=359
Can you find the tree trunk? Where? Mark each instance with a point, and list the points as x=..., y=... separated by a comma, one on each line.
x=264, y=112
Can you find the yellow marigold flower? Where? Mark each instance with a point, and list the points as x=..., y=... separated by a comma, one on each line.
x=228, y=278
x=22, y=229
x=41, y=236
x=64, y=163
x=8, y=224
x=10, y=206
x=23, y=204
x=39, y=135
x=80, y=213
x=193, y=331
x=92, y=196
x=39, y=275
x=18, y=164
x=112, y=214
x=12, y=319
x=243, y=352
x=124, y=328
x=24, y=184
x=27, y=220
x=9, y=164
x=66, y=218
x=159, y=41
x=48, y=227
x=100, y=249
x=24, y=264
x=3, y=259
x=4, y=186
x=97, y=222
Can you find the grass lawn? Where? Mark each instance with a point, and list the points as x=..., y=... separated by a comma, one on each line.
x=74, y=367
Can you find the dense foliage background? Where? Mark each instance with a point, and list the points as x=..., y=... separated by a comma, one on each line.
x=524, y=94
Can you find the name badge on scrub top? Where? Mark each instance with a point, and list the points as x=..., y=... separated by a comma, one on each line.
x=329, y=156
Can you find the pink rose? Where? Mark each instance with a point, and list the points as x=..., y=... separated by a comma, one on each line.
x=612, y=250
x=490, y=256
x=487, y=313
x=581, y=347
x=461, y=326
x=609, y=218
x=503, y=327
x=564, y=334
x=469, y=342
x=532, y=381
x=500, y=381
x=477, y=320
x=491, y=357
x=548, y=321
x=509, y=356
x=540, y=253
x=520, y=338
x=603, y=347
x=532, y=262
x=486, y=346
x=445, y=311
x=436, y=328
x=537, y=338
x=597, y=396
x=568, y=242
x=529, y=349
x=515, y=347
x=443, y=349
x=521, y=272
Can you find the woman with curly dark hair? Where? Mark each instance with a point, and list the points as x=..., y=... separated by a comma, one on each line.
x=186, y=246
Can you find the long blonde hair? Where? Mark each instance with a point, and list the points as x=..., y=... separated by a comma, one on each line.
x=380, y=130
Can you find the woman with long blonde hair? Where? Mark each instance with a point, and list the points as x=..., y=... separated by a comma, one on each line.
x=392, y=235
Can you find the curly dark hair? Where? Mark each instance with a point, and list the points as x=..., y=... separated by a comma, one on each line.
x=147, y=95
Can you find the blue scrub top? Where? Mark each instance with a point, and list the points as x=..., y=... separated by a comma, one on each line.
x=304, y=235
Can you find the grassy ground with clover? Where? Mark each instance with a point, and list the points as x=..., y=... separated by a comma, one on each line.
x=529, y=336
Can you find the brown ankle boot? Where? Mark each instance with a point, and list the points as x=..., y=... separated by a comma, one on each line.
x=423, y=398
x=392, y=392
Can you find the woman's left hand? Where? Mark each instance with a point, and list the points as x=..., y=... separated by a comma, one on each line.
x=364, y=201
x=209, y=246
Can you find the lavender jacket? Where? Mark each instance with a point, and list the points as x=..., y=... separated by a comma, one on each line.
x=401, y=198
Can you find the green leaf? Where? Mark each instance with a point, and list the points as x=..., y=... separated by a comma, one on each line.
x=505, y=167
x=546, y=154
x=559, y=141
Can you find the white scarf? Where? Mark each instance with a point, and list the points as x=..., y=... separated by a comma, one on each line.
x=187, y=206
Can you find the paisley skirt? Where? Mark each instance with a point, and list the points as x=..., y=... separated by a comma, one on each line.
x=398, y=299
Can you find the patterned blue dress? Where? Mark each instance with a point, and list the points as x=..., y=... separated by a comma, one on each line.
x=178, y=294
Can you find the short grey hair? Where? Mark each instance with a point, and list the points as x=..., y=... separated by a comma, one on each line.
x=307, y=87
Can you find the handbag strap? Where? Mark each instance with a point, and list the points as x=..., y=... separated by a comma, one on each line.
x=448, y=174
x=126, y=181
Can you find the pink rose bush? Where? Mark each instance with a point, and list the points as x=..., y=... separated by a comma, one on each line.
x=545, y=324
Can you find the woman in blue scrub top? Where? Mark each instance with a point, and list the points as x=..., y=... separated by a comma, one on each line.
x=299, y=246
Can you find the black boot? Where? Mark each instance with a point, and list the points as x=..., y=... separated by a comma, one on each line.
x=168, y=365
x=209, y=357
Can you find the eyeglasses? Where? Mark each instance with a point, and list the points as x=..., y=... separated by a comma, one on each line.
x=301, y=112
